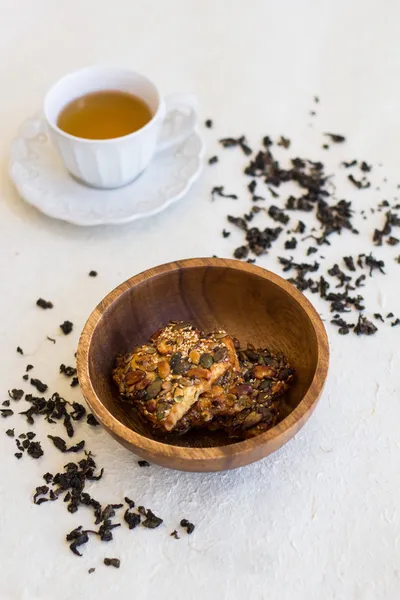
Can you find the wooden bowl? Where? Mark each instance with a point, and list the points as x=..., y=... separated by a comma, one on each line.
x=251, y=303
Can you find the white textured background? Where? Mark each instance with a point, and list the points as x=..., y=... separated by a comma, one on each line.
x=320, y=518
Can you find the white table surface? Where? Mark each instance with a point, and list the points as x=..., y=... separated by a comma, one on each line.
x=318, y=519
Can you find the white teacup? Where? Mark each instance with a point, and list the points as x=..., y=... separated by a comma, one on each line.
x=115, y=162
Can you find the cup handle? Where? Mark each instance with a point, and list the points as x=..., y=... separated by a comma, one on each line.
x=179, y=120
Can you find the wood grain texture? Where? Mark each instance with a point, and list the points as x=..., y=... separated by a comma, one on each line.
x=251, y=303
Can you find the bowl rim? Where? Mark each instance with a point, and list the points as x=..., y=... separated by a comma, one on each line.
x=209, y=454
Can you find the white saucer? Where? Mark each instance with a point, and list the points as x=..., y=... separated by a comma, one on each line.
x=42, y=181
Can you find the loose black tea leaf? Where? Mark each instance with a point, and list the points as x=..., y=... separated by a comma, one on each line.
x=352, y=163
x=67, y=371
x=131, y=518
x=44, y=303
x=151, y=521
x=35, y=449
x=129, y=502
x=392, y=241
x=360, y=280
x=241, y=252
x=364, y=167
x=39, y=385
x=360, y=184
x=349, y=262
x=143, y=463
x=335, y=271
x=29, y=368
x=6, y=412
x=364, y=327
x=78, y=411
x=41, y=490
x=61, y=445
x=19, y=350
x=273, y=193
x=18, y=455
x=344, y=327
x=335, y=137
x=284, y=142
x=225, y=233
x=91, y=570
x=241, y=142
x=112, y=562
x=379, y=317
x=395, y=323
x=92, y=273
x=373, y=263
x=74, y=382
x=66, y=327
x=187, y=525
x=79, y=538
x=291, y=244
x=16, y=394
x=208, y=123
x=219, y=191
x=10, y=432
x=238, y=221
x=91, y=420
x=311, y=250
x=68, y=425
x=213, y=160
x=252, y=186
x=51, y=339
x=267, y=142
x=5, y=403
x=300, y=228
x=175, y=535
x=277, y=214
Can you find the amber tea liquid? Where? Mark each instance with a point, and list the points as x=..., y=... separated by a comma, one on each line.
x=104, y=115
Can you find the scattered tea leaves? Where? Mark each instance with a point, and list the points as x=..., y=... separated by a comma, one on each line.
x=175, y=535
x=219, y=191
x=66, y=327
x=67, y=371
x=39, y=385
x=364, y=327
x=187, y=525
x=151, y=521
x=45, y=304
x=112, y=562
x=336, y=138
x=91, y=420
x=16, y=394
x=6, y=412
x=61, y=445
